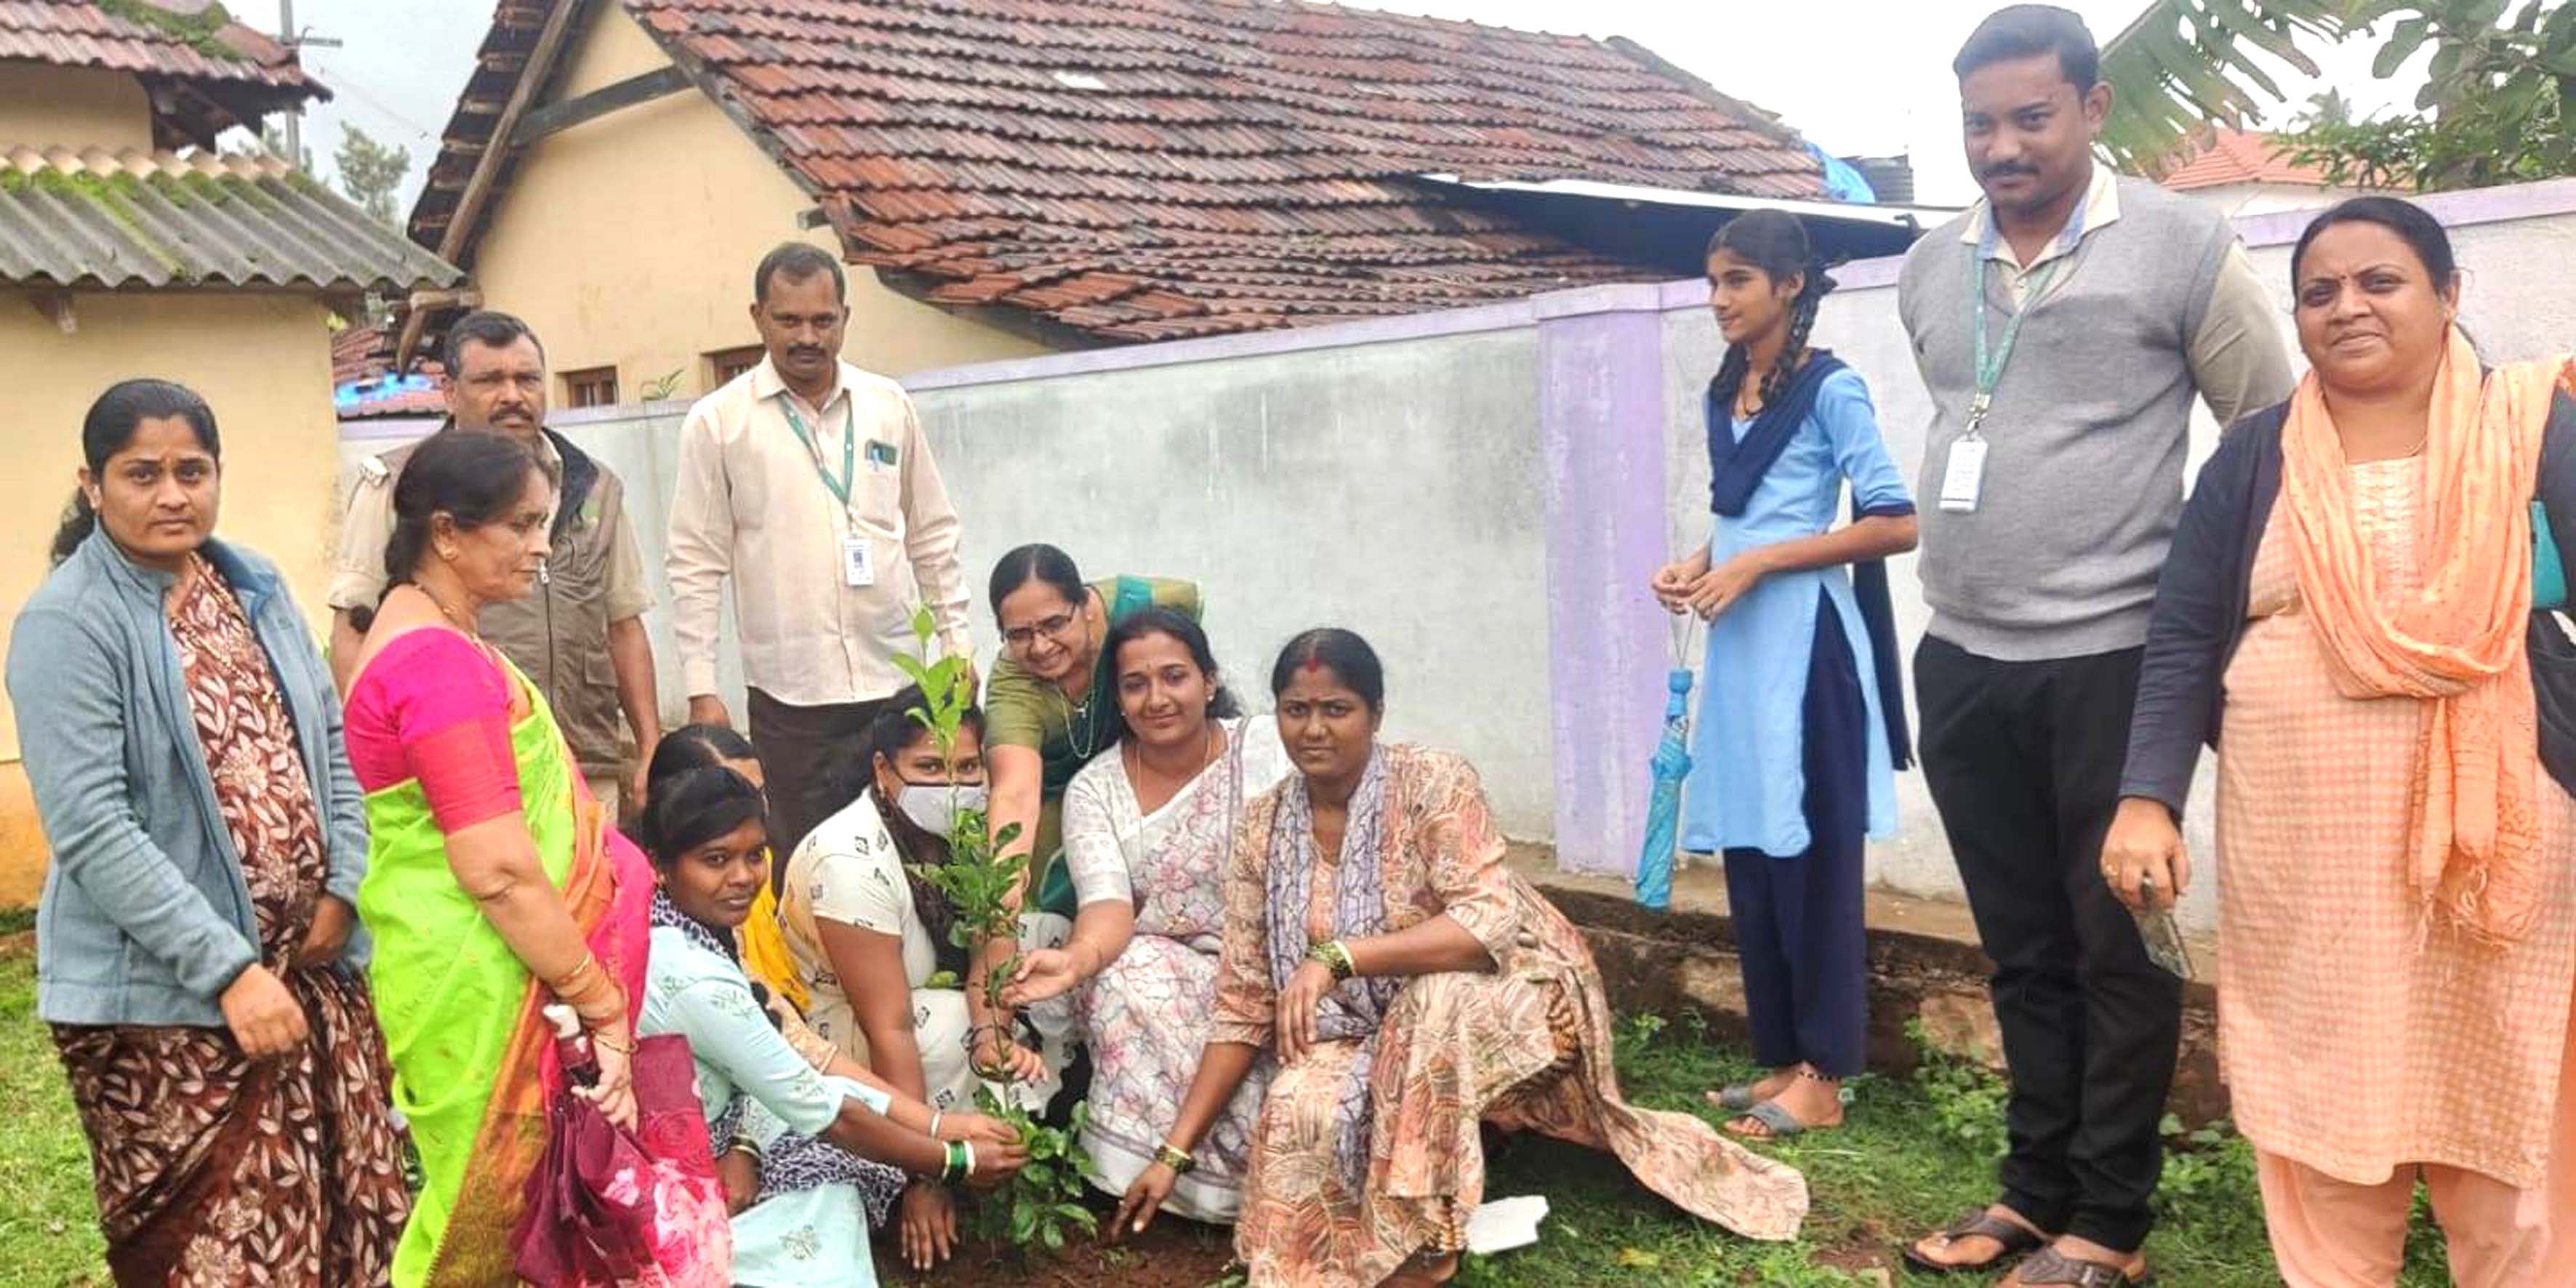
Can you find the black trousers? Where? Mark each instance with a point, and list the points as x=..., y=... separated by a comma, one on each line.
x=1798, y=920
x=2023, y=759
x=798, y=748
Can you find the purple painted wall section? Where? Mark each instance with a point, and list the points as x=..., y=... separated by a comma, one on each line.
x=1601, y=435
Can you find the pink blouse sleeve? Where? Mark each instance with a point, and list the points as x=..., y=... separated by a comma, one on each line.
x=441, y=709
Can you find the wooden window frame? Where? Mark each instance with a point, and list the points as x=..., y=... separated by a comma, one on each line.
x=717, y=361
x=584, y=387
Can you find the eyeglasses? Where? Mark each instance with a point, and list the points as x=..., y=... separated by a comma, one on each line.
x=1051, y=627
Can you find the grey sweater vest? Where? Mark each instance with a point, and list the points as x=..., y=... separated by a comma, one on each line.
x=2086, y=436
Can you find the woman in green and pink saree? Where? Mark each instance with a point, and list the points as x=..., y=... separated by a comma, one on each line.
x=495, y=884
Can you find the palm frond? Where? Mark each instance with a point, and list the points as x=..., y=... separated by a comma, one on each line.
x=2183, y=65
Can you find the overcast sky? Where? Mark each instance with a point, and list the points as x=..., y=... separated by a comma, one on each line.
x=1856, y=76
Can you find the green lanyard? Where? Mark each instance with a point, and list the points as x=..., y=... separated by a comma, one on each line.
x=1990, y=365
x=849, y=448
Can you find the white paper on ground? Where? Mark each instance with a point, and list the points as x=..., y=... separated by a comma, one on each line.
x=1504, y=1224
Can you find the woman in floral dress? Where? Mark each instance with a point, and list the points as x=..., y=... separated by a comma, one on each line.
x=1147, y=830
x=196, y=951
x=1411, y=988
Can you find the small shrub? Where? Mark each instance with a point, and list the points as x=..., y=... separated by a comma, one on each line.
x=1967, y=1099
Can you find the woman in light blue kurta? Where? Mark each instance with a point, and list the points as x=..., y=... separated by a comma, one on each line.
x=1801, y=724
x=811, y=1159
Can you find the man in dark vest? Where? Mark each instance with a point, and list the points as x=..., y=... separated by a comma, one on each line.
x=580, y=634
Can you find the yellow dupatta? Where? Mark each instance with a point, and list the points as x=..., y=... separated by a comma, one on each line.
x=2456, y=643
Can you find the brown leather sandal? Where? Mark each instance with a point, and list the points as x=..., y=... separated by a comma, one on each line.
x=1978, y=1223
x=2050, y=1268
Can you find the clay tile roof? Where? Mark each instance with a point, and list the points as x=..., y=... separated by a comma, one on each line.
x=147, y=220
x=1142, y=169
x=2224, y=156
x=175, y=40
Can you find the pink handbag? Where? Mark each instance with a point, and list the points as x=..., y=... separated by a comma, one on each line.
x=606, y=1207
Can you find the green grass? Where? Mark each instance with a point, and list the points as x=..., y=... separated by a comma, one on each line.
x=48, y=1220
x=1913, y=1154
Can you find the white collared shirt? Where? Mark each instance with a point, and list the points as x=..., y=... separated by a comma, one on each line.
x=751, y=506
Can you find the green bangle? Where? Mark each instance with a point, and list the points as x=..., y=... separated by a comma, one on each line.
x=955, y=1167
x=1335, y=956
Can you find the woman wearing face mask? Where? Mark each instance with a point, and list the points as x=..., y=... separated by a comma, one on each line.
x=1148, y=832
x=495, y=883
x=812, y=1160
x=196, y=965
x=871, y=938
x=1411, y=988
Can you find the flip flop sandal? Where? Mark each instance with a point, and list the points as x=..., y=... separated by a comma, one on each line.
x=2049, y=1268
x=1782, y=1124
x=1973, y=1224
x=1735, y=1099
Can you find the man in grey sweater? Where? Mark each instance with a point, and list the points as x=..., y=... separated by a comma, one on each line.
x=2054, y=470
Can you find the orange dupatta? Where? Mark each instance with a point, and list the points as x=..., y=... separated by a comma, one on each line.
x=2456, y=644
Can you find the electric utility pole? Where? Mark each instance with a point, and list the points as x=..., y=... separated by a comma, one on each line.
x=295, y=40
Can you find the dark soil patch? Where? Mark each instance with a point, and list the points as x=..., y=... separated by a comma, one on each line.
x=1172, y=1253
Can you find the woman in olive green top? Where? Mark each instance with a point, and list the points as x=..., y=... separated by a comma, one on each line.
x=1049, y=707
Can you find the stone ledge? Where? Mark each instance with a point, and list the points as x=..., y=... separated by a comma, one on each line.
x=1924, y=965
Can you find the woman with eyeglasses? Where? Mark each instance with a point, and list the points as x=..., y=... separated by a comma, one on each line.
x=1052, y=703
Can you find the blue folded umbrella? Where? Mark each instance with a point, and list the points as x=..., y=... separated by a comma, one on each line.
x=1672, y=764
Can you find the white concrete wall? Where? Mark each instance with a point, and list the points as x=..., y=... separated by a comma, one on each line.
x=1387, y=479
x=1389, y=488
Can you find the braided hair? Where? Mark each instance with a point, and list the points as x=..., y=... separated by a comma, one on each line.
x=1776, y=243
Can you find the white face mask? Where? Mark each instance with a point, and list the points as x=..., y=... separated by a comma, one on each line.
x=934, y=807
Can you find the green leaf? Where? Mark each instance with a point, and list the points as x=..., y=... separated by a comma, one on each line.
x=913, y=670
x=2408, y=37
x=2182, y=64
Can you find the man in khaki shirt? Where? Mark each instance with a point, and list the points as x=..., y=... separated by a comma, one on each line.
x=579, y=635
x=807, y=482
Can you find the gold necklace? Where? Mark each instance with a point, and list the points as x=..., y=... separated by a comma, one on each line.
x=444, y=611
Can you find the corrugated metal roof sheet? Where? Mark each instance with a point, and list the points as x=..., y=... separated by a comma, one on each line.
x=160, y=221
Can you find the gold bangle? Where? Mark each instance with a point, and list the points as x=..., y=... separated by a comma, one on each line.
x=570, y=981
x=599, y=1038
x=1181, y=1161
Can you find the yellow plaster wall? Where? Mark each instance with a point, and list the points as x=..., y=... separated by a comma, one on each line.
x=263, y=362
x=43, y=106
x=629, y=240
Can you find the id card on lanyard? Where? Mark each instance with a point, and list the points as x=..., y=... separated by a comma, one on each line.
x=1963, y=474
x=858, y=554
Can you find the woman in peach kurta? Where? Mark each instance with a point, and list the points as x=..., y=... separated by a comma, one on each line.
x=1463, y=997
x=2397, y=915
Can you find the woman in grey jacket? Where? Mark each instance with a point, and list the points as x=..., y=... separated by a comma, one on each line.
x=194, y=948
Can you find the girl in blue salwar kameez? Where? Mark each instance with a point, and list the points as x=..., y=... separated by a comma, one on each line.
x=1801, y=724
